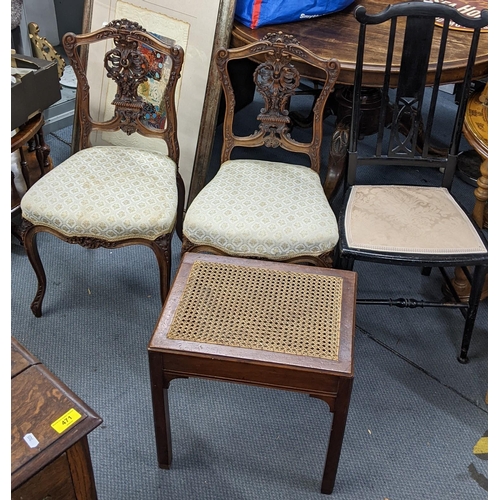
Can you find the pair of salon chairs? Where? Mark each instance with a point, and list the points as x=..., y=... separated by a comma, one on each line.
x=111, y=196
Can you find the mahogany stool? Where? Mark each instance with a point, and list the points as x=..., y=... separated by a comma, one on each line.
x=262, y=323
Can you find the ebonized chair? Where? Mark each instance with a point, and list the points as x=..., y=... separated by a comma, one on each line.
x=268, y=208
x=109, y=195
x=412, y=225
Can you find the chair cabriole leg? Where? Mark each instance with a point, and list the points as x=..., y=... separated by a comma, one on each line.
x=162, y=248
x=30, y=245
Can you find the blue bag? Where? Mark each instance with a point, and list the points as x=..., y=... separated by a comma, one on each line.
x=256, y=13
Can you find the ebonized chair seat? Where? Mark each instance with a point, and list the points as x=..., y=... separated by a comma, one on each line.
x=408, y=219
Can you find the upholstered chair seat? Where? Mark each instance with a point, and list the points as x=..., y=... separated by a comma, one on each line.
x=257, y=208
x=86, y=196
x=409, y=219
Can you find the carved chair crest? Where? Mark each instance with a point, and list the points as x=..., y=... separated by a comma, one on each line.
x=128, y=68
x=276, y=80
x=135, y=60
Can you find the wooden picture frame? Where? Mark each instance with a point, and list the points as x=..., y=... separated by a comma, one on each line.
x=202, y=27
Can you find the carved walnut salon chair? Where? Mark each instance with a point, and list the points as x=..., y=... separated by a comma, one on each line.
x=412, y=225
x=107, y=195
x=270, y=208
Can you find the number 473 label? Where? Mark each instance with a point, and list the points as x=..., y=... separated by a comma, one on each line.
x=66, y=421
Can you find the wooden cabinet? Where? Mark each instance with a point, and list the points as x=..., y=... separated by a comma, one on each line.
x=50, y=455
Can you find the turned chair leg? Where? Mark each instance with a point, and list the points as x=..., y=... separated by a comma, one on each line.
x=474, y=299
x=346, y=263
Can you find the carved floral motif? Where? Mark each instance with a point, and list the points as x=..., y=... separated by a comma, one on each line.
x=276, y=80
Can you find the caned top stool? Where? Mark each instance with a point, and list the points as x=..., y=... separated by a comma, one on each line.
x=261, y=323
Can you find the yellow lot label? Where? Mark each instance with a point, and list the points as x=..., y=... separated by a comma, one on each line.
x=481, y=446
x=66, y=421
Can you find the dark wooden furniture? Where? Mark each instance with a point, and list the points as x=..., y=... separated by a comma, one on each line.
x=116, y=195
x=36, y=88
x=50, y=455
x=271, y=207
x=476, y=132
x=261, y=323
x=337, y=35
x=34, y=160
x=412, y=225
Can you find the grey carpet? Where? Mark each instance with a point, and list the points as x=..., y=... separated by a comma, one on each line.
x=415, y=413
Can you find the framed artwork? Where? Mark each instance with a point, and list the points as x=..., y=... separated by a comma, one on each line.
x=199, y=27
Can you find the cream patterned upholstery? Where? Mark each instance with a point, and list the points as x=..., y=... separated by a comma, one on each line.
x=409, y=219
x=263, y=209
x=106, y=192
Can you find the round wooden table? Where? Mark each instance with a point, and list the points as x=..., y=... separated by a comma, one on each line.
x=336, y=35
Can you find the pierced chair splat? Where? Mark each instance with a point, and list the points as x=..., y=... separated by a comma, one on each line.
x=109, y=194
x=412, y=224
x=268, y=208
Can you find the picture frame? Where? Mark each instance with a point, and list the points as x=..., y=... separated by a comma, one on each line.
x=200, y=28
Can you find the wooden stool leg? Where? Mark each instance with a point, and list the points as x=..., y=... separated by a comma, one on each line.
x=336, y=435
x=161, y=415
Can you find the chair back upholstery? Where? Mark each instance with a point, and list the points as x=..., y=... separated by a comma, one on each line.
x=145, y=70
x=277, y=79
x=417, y=36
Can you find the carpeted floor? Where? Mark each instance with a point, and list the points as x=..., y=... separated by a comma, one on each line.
x=415, y=415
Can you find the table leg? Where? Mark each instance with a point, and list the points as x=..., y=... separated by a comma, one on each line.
x=460, y=282
x=336, y=160
x=82, y=473
x=336, y=435
x=161, y=415
x=42, y=151
x=481, y=195
x=15, y=197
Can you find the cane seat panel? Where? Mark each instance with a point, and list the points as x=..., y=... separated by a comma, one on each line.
x=221, y=304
